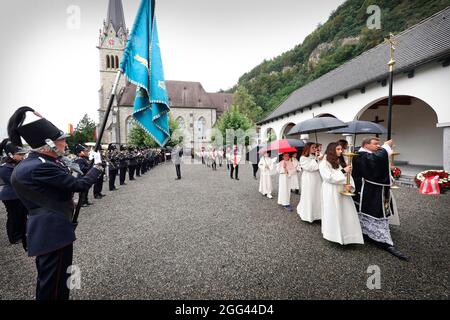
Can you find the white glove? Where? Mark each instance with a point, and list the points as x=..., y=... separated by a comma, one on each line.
x=96, y=156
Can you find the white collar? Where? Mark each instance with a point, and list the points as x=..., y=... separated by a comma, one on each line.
x=362, y=149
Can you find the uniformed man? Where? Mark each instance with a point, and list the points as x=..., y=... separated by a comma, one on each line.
x=113, y=166
x=46, y=187
x=98, y=186
x=16, y=219
x=132, y=163
x=82, y=160
x=123, y=165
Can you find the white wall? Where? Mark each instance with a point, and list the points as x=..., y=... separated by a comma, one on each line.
x=430, y=84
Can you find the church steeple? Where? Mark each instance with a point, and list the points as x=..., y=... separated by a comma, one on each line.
x=112, y=41
x=115, y=15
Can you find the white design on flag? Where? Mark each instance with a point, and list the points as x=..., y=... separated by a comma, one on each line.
x=141, y=60
x=162, y=84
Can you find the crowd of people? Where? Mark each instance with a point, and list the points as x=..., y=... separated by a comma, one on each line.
x=37, y=187
x=353, y=201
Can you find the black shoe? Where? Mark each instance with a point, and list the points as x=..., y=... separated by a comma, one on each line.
x=132, y=179
x=397, y=253
x=97, y=196
x=231, y=177
x=102, y=195
x=237, y=178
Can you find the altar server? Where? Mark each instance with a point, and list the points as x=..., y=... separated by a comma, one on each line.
x=340, y=221
x=310, y=206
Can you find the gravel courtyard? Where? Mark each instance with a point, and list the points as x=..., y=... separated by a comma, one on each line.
x=210, y=237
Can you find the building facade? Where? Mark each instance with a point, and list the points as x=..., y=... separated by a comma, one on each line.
x=359, y=88
x=195, y=110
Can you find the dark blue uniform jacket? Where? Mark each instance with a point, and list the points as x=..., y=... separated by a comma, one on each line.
x=48, y=230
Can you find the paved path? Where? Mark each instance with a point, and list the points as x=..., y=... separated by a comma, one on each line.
x=210, y=237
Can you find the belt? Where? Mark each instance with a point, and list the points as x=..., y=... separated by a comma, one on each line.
x=36, y=211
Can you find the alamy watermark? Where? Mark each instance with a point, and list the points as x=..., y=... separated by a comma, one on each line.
x=374, y=280
x=374, y=20
x=73, y=21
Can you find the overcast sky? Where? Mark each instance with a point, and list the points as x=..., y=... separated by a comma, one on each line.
x=51, y=64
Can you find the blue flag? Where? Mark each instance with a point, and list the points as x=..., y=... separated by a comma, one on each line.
x=142, y=65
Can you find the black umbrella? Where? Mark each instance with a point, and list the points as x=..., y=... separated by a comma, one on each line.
x=361, y=127
x=315, y=125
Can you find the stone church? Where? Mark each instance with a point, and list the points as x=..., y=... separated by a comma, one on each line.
x=195, y=110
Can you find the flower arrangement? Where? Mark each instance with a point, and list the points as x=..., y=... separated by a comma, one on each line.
x=444, y=181
x=396, y=173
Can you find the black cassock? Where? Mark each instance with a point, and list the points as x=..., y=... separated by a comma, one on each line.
x=373, y=199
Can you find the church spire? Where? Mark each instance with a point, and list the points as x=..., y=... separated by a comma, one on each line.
x=115, y=15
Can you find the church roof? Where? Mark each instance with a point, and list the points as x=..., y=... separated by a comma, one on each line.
x=115, y=14
x=426, y=41
x=184, y=94
x=222, y=101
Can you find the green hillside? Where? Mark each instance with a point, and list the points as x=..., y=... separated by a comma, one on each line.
x=344, y=36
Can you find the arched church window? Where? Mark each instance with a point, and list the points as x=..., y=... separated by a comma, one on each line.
x=129, y=125
x=108, y=63
x=181, y=123
x=201, y=127
x=112, y=62
x=117, y=62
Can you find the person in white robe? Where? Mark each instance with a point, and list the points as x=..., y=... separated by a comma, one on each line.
x=310, y=206
x=265, y=166
x=340, y=222
x=284, y=168
x=295, y=186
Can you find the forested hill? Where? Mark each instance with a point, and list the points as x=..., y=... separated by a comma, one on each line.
x=344, y=36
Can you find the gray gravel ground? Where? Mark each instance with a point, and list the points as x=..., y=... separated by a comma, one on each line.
x=210, y=237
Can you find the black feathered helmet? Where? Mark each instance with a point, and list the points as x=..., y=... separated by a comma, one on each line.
x=37, y=133
x=11, y=149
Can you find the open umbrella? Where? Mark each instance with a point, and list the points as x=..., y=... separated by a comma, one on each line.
x=283, y=145
x=361, y=127
x=315, y=125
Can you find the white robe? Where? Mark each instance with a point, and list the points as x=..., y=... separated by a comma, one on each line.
x=340, y=222
x=265, y=166
x=294, y=174
x=284, y=185
x=310, y=206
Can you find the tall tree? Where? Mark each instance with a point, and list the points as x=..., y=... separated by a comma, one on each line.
x=246, y=104
x=233, y=119
x=84, y=132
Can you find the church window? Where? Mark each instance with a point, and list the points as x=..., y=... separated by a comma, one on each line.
x=117, y=62
x=129, y=125
x=201, y=126
x=181, y=123
x=112, y=62
x=108, y=64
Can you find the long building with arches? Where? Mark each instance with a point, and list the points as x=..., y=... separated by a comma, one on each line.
x=359, y=88
x=195, y=110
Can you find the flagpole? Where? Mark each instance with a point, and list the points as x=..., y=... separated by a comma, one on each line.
x=108, y=111
x=99, y=139
x=391, y=65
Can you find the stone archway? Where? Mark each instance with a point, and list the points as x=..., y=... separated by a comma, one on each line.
x=414, y=129
x=269, y=135
x=285, y=129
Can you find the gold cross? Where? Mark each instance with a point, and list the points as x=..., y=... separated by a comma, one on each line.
x=392, y=43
